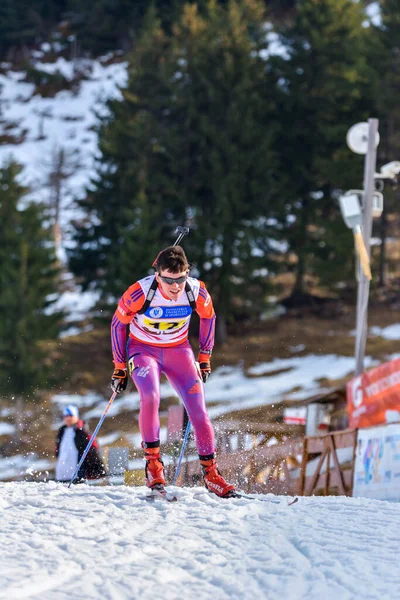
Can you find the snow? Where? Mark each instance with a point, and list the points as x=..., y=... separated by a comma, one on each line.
x=43, y=127
x=106, y=542
x=77, y=305
x=20, y=464
x=373, y=11
x=65, y=121
x=6, y=428
x=391, y=332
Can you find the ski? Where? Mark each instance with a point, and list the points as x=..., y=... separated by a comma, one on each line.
x=158, y=492
x=235, y=494
x=162, y=493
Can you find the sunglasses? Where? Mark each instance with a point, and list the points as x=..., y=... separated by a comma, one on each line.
x=172, y=280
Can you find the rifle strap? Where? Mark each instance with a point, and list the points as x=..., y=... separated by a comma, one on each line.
x=153, y=289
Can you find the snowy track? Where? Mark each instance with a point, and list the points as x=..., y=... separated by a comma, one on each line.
x=106, y=543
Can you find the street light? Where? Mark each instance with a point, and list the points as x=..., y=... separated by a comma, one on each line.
x=362, y=138
x=358, y=208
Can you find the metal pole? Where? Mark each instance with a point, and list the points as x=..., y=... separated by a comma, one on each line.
x=362, y=281
x=185, y=439
x=90, y=442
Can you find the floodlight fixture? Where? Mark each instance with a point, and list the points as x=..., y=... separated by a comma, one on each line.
x=357, y=138
x=350, y=207
x=389, y=171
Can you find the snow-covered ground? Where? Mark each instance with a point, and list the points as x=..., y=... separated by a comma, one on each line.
x=107, y=543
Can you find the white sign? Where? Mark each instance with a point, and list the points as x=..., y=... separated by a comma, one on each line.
x=295, y=416
x=377, y=465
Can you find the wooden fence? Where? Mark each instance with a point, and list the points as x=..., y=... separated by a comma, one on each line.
x=330, y=473
x=301, y=466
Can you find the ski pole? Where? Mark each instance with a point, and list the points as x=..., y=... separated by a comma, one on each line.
x=93, y=437
x=185, y=439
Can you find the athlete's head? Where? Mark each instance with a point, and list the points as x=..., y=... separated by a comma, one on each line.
x=172, y=269
x=172, y=259
x=70, y=414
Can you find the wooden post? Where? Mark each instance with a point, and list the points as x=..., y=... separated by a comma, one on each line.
x=317, y=472
x=327, y=470
x=353, y=462
x=337, y=466
x=302, y=479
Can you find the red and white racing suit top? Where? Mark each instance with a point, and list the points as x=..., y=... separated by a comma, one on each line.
x=165, y=323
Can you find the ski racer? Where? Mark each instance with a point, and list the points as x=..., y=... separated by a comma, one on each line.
x=158, y=309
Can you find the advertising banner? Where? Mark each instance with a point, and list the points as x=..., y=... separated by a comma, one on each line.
x=295, y=415
x=377, y=465
x=373, y=398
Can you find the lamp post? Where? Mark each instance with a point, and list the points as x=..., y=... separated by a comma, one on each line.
x=362, y=138
x=363, y=281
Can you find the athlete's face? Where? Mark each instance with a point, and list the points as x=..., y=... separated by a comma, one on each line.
x=172, y=284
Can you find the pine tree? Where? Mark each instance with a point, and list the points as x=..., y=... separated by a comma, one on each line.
x=132, y=206
x=104, y=26
x=228, y=167
x=28, y=278
x=191, y=138
x=387, y=62
x=9, y=25
x=325, y=85
x=25, y=22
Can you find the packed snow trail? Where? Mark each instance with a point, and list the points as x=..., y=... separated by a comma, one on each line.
x=106, y=543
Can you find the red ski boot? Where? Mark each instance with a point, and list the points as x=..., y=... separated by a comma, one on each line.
x=213, y=479
x=154, y=467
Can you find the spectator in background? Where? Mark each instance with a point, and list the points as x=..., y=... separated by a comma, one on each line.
x=71, y=442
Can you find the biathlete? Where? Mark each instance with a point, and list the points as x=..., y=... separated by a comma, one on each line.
x=158, y=309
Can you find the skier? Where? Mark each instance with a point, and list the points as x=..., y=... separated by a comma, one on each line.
x=72, y=439
x=158, y=310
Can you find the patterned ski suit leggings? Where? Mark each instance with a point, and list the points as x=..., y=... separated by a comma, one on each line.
x=178, y=364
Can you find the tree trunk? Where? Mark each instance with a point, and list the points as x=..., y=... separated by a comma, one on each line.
x=221, y=334
x=299, y=284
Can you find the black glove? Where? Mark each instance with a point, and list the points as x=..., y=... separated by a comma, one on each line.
x=205, y=370
x=203, y=360
x=119, y=380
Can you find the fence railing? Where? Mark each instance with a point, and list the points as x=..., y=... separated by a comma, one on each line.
x=322, y=464
x=328, y=464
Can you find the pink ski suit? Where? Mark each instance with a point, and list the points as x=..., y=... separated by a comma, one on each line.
x=158, y=343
